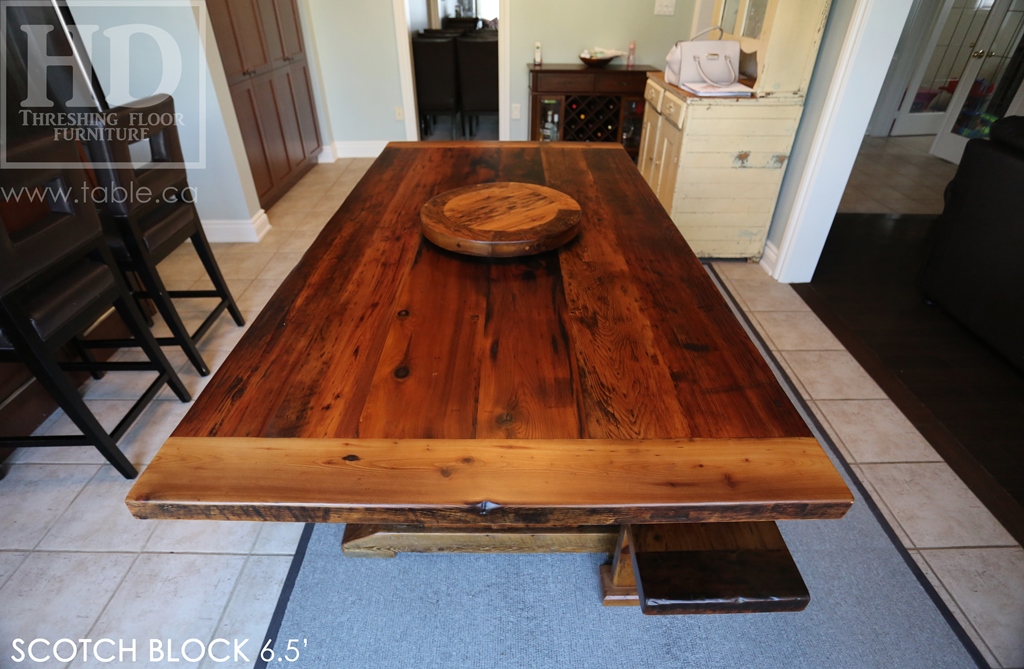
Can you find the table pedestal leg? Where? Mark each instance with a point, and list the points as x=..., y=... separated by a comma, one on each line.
x=618, y=586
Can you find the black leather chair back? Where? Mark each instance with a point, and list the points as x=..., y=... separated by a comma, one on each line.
x=437, y=88
x=478, y=73
x=157, y=126
x=46, y=215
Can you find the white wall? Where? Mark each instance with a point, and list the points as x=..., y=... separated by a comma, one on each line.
x=357, y=53
x=418, y=15
x=566, y=27
x=225, y=195
x=856, y=48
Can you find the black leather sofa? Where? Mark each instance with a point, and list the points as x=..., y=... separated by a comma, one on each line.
x=976, y=268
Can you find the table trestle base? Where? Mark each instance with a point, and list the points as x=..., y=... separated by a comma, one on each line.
x=364, y=540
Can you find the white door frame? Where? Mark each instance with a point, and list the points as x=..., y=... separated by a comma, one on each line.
x=818, y=177
x=402, y=38
x=405, y=75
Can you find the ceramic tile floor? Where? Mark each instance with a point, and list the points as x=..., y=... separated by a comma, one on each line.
x=74, y=564
x=974, y=564
x=896, y=175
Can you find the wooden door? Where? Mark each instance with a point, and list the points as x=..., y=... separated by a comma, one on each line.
x=281, y=82
x=262, y=49
x=239, y=31
x=290, y=29
x=243, y=97
x=305, y=108
x=271, y=31
x=265, y=92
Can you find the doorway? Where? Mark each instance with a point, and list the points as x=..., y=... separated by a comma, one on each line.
x=454, y=52
x=958, y=68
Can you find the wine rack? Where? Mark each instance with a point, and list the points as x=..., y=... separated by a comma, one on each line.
x=574, y=103
x=591, y=118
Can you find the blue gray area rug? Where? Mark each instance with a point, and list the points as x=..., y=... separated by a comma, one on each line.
x=871, y=608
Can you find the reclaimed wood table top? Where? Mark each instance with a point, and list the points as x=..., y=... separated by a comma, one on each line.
x=391, y=381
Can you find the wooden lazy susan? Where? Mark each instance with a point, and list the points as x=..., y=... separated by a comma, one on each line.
x=501, y=220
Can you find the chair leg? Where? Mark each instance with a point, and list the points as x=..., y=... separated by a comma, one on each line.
x=47, y=371
x=148, y=344
x=158, y=293
x=205, y=253
x=86, y=355
x=133, y=285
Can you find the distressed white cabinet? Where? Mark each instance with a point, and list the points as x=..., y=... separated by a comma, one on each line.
x=716, y=164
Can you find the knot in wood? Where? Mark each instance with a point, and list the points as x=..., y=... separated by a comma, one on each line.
x=402, y=372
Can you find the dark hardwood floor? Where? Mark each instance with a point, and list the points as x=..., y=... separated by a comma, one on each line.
x=965, y=398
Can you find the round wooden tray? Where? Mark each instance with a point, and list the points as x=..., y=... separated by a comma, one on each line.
x=501, y=220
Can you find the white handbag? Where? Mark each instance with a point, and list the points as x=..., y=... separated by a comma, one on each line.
x=713, y=62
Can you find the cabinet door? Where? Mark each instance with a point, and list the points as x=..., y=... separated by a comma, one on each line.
x=271, y=32
x=238, y=29
x=648, y=142
x=271, y=125
x=281, y=28
x=246, y=109
x=305, y=108
x=284, y=97
x=291, y=29
x=670, y=139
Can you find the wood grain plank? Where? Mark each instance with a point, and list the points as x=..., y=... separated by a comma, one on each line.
x=528, y=382
x=721, y=379
x=338, y=303
x=622, y=377
x=485, y=481
x=427, y=381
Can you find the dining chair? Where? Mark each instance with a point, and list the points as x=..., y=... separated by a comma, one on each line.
x=437, y=82
x=478, y=75
x=57, y=278
x=143, y=232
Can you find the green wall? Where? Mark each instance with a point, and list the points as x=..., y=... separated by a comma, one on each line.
x=566, y=27
x=358, y=59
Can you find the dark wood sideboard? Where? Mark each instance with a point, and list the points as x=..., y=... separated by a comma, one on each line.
x=589, y=104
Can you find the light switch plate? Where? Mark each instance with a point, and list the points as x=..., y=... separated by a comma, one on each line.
x=517, y=111
x=399, y=114
x=664, y=7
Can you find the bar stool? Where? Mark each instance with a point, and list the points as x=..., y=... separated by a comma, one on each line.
x=57, y=277
x=143, y=233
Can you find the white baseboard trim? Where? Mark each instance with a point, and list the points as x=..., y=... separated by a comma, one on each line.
x=360, y=149
x=770, y=258
x=238, y=231
x=327, y=155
